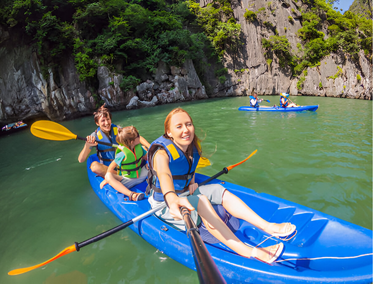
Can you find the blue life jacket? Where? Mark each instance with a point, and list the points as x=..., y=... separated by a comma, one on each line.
x=286, y=102
x=105, y=153
x=182, y=169
x=256, y=103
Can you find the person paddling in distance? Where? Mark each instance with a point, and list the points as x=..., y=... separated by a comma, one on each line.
x=128, y=158
x=106, y=132
x=284, y=101
x=254, y=101
x=172, y=160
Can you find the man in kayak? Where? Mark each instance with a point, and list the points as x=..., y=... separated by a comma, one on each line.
x=128, y=158
x=254, y=101
x=284, y=101
x=172, y=160
x=106, y=132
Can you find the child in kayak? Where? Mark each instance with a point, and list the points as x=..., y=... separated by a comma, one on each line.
x=172, y=160
x=106, y=132
x=284, y=101
x=254, y=101
x=128, y=158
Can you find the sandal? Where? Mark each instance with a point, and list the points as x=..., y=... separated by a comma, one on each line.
x=135, y=196
x=286, y=231
x=273, y=251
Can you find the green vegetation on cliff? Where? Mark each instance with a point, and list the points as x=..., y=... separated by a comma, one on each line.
x=349, y=33
x=362, y=7
x=128, y=36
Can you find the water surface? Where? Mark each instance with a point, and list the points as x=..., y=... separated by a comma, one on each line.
x=321, y=159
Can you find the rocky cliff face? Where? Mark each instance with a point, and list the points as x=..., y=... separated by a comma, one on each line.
x=256, y=75
x=362, y=7
x=170, y=84
x=25, y=93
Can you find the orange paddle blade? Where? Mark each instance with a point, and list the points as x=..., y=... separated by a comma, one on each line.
x=235, y=165
x=50, y=130
x=203, y=162
x=27, y=269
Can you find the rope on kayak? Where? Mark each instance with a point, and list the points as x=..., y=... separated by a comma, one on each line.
x=310, y=258
x=282, y=239
x=325, y=257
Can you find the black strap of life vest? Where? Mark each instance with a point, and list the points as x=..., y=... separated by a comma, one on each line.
x=152, y=177
x=103, y=159
x=106, y=150
x=183, y=177
x=156, y=189
x=131, y=170
x=135, y=162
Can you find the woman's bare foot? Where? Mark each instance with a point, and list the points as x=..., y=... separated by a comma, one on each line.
x=280, y=230
x=136, y=196
x=268, y=254
x=103, y=183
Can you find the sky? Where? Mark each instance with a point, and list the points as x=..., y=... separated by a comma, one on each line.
x=344, y=5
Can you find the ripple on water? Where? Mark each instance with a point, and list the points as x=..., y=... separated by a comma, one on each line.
x=42, y=163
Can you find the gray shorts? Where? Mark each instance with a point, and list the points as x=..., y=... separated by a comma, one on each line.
x=213, y=192
x=131, y=182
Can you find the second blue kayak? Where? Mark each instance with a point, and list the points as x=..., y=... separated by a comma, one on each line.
x=283, y=109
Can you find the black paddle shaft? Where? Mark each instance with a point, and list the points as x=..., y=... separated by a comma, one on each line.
x=207, y=270
x=224, y=171
x=78, y=246
x=99, y=142
x=134, y=220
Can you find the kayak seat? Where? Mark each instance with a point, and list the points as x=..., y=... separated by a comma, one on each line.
x=282, y=215
x=310, y=233
x=301, y=219
x=264, y=208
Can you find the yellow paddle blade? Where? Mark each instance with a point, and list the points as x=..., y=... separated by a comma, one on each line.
x=203, y=162
x=27, y=269
x=235, y=165
x=50, y=130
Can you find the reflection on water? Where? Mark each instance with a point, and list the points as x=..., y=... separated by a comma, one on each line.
x=71, y=277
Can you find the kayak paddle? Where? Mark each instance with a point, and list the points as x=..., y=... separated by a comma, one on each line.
x=51, y=130
x=227, y=169
x=77, y=246
x=293, y=103
x=207, y=270
x=203, y=162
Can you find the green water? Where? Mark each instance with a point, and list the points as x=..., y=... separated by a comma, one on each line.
x=321, y=159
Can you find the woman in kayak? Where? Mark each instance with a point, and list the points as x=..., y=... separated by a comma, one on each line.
x=106, y=132
x=128, y=158
x=172, y=160
x=284, y=101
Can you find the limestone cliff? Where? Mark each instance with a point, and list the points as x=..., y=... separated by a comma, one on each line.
x=26, y=93
x=271, y=79
x=362, y=7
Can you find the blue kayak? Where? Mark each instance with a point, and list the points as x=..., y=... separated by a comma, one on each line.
x=277, y=108
x=324, y=250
